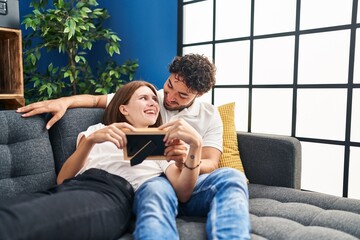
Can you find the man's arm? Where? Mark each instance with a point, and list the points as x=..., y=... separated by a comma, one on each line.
x=210, y=158
x=213, y=140
x=58, y=107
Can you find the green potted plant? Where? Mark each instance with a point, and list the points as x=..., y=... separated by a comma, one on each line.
x=70, y=27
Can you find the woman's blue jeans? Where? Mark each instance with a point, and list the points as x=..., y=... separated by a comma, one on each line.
x=221, y=196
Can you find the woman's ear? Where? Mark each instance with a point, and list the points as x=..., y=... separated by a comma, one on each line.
x=122, y=109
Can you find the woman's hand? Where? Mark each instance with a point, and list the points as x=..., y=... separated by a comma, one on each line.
x=112, y=133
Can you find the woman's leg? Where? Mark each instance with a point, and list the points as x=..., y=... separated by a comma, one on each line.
x=86, y=207
x=155, y=207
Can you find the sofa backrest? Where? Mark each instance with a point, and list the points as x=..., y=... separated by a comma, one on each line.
x=64, y=133
x=26, y=157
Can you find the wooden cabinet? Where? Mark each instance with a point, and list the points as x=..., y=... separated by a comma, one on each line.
x=11, y=69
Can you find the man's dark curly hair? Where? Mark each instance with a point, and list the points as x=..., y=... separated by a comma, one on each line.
x=195, y=70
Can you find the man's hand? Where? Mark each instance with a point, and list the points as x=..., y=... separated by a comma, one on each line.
x=177, y=151
x=180, y=129
x=180, y=138
x=56, y=107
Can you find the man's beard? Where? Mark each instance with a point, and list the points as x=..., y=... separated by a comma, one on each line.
x=178, y=108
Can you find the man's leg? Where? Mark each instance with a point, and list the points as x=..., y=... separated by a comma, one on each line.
x=222, y=196
x=155, y=207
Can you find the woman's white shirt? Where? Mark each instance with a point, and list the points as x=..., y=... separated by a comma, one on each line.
x=108, y=157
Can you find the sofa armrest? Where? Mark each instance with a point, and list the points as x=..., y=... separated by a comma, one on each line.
x=271, y=159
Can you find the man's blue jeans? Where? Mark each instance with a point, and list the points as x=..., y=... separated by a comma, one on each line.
x=221, y=196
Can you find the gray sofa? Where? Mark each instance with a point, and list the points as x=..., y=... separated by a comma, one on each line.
x=30, y=157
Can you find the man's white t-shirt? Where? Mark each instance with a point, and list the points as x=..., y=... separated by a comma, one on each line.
x=202, y=116
x=108, y=157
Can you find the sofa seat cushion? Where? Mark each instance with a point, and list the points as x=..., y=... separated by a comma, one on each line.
x=26, y=158
x=284, y=213
x=290, y=214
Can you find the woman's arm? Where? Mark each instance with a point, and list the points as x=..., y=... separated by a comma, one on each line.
x=183, y=179
x=78, y=159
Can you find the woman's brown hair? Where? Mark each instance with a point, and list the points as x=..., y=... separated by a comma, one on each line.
x=122, y=97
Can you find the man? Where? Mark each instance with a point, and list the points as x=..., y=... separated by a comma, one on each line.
x=221, y=195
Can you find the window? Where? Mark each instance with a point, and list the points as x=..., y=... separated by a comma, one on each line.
x=293, y=68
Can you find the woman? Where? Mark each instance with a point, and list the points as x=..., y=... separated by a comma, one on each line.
x=96, y=186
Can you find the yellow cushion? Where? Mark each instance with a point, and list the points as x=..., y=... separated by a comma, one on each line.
x=230, y=156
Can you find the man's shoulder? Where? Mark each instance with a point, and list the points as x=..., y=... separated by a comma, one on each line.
x=206, y=104
x=206, y=107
